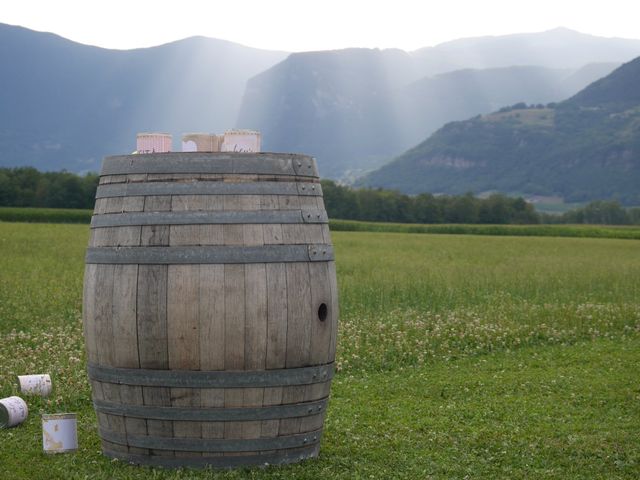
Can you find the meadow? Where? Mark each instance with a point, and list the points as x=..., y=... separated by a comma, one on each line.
x=460, y=356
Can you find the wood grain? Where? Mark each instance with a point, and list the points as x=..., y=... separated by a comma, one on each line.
x=237, y=317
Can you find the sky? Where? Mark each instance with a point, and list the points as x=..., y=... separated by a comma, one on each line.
x=299, y=25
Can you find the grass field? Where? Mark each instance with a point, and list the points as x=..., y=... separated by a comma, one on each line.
x=459, y=357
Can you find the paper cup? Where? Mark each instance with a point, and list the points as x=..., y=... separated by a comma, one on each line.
x=59, y=433
x=35, y=384
x=13, y=411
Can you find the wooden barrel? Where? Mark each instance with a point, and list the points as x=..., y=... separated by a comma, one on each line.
x=210, y=308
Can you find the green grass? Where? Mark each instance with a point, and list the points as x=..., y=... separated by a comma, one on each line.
x=41, y=270
x=459, y=356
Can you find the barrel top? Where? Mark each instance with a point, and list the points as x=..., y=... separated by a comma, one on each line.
x=264, y=163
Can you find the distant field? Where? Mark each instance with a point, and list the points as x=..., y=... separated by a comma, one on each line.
x=585, y=231
x=459, y=356
x=556, y=207
x=56, y=215
x=44, y=215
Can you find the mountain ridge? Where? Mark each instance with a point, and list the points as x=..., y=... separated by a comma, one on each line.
x=584, y=148
x=66, y=105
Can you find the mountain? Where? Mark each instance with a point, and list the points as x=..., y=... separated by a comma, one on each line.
x=336, y=105
x=557, y=48
x=585, y=148
x=66, y=105
x=355, y=108
x=433, y=101
x=347, y=110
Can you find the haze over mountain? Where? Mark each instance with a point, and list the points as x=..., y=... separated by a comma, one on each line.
x=433, y=101
x=557, y=48
x=66, y=105
x=585, y=148
x=353, y=111
x=355, y=108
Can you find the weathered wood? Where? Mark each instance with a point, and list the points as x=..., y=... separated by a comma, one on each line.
x=88, y=312
x=161, y=397
x=277, y=311
x=212, y=398
x=152, y=316
x=114, y=205
x=211, y=314
x=103, y=308
x=234, y=307
x=136, y=177
x=212, y=339
x=309, y=203
x=182, y=317
x=155, y=235
x=251, y=316
x=271, y=396
x=157, y=203
x=255, y=333
x=152, y=341
x=333, y=286
x=133, y=204
x=183, y=340
x=186, y=397
x=115, y=423
x=106, y=179
x=125, y=335
x=272, y=234
x=234, y=278
x=298, y=314
x=184, y=235
x=122, y=344
x=321, y=314
x=269, y=202
x=100, y=206
x=291, y=395
x=189, y=203
x=103, y=419
x=292, y=234
x=132, y=395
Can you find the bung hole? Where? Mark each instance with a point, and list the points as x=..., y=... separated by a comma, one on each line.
x=322, y=312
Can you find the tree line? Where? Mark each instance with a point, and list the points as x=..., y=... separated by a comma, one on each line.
x=28, y=187
x=389, y=206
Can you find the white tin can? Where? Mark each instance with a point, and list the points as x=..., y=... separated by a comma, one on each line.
x=59, y=433
x=241, y=141
x=13, y=411
x=153, y=143
x=201, y=142
x=35, y=384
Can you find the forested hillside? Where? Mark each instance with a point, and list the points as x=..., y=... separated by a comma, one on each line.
x=585, y=148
